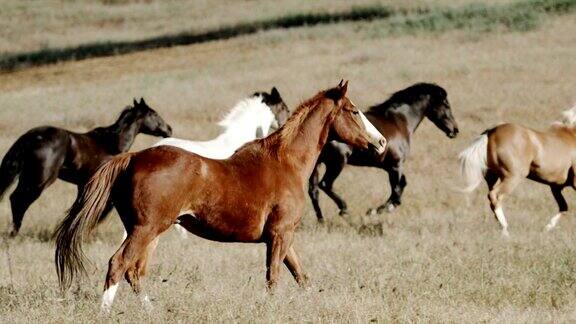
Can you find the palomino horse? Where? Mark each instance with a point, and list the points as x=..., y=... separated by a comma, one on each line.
x=256, y=195
x=397, y=119
x=249, y=119
x=506, y=154
x=43, y=154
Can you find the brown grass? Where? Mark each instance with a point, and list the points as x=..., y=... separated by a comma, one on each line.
x=439, y=258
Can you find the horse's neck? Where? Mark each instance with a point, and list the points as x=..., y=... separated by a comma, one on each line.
x=414, y=114
x=305, y=147
x=118, y=137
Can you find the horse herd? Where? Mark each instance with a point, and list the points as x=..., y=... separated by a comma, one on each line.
x=248, y=184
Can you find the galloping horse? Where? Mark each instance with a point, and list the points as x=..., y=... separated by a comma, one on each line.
x=507, y=153
x=43, y=154
x=255, y=196
x=397, y=119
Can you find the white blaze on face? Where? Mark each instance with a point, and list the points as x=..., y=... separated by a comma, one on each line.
x=372, y=131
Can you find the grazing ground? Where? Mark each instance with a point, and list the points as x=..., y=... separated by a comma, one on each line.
x=438, y=258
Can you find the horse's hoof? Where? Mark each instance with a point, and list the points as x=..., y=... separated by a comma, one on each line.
x=13, y=233
x=343, y=212
x=147, y=304
x=372, y=212
x=390, y=208
x=505, y=234
x=321, y=220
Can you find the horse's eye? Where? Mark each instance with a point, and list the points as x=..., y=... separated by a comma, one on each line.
x=355, y=112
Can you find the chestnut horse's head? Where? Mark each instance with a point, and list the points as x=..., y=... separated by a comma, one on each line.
x=350, y=125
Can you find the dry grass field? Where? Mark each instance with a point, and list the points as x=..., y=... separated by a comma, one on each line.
x=27, y=25
x=438, y=258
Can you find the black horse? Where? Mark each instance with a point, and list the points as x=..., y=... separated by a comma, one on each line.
x=46, y=153
x=397, y=118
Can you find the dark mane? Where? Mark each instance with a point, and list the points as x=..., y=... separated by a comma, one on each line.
x=411, y=95
x=122, y=119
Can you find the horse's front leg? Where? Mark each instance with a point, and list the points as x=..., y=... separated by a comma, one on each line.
x=397, y=182
x=277, y=246
x=278, y=236
x=292, y=262
x=562, y=207
x=334, y=167
x=314, y=192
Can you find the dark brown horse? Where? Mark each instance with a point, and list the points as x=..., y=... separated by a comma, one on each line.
x=508, y=153
x=397, y=119
x=257, y=195
x=43, y=154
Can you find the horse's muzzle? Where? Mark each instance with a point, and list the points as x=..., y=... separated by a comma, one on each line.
x=453, y=133
x=380, y=146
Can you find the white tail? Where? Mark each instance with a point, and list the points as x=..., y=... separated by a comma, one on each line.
x=473, y=162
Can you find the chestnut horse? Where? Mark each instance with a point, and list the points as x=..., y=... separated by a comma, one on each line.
x=255, y=196
x=44, y=154
x=507, y=153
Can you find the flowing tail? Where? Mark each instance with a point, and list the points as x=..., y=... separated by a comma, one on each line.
x=473, y=162
x=11, y=165
x=83, y=217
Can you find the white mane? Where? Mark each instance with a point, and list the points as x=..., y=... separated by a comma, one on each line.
x=568, y=118
x=245, y=108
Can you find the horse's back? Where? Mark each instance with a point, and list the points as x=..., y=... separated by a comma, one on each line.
x=544, y=156
x=44, y=141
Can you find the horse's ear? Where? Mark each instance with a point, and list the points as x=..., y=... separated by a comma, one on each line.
x=274, y=93
x=344, y=88
x=134, y=102
x=337, y=93
x=142, y=102
x=340, y=84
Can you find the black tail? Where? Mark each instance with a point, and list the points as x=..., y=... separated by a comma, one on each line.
x=11, y=165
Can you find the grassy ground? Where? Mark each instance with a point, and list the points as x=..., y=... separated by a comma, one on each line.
x=521, y=15
x=439, y=258
x=62, y=23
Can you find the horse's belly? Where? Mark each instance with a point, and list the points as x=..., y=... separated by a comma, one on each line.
x=551, y=174
x=224, y=227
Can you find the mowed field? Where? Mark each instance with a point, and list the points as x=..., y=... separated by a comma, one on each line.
x=438, y=258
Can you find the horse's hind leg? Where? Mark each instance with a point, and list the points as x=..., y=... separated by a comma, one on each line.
x=124, y=262
x=292, y=262
x=562, y=206
x=34, y=178
x=136, y=272
x=496, y=196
